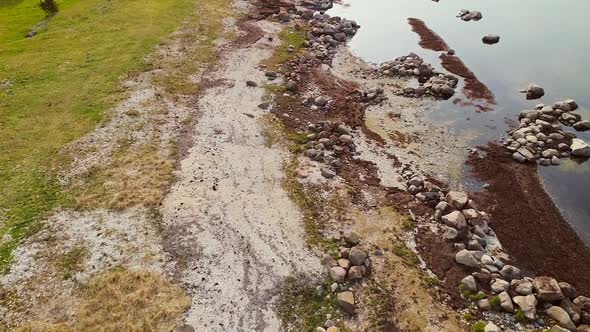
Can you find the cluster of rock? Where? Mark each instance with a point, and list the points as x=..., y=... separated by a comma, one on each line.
x=540, y=137
x=431, y=82
x=465, y=226
x=351, y=266
x=326, y=143
x=561, y=305
x=475, y=242
x=327, y=33
x=373, y=96
x=317, y=103
x=469, y=15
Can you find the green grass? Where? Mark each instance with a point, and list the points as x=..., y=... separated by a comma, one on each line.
x=61, y=83
x=408, y=257
x=288, y=36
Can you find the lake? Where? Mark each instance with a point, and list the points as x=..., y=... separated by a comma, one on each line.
x=542, y=41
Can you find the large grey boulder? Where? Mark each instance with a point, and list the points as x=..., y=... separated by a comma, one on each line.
x=547, y=289
x=561, y=317
x=455, y=219
x=466, y=258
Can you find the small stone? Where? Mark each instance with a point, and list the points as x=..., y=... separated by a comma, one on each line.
x=561, y=317
x=338, y=274
x=468, y=283
x=328, y=174
x=534, y=91
x=251, y=84
x=346, y=139
x=346, y=302
x=320, y=329
x=329, y=261
x=332, y=329
x=583, y=302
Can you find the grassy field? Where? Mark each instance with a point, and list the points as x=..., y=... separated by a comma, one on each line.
x=55, y=87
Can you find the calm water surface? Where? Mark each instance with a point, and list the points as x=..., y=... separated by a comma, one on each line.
x=542, y=41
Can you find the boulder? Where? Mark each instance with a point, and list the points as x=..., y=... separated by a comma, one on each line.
x=582, y=125
x=534, y=91
x=467, y=258
x=583, y=302
x=346, y=302
x=500, y=286
x=352, y=238
x=547, y=289
x=561, y=317
x=528, y=305
x=344, y=263
x=357, y=257
x=455, y=219
x=469, y=284
x=457, y=199
x=580, y=148
x=484, y=305
x=510, y=272
x=355, y=273
x=583, y=328
x=522, y=287
x=490, y=39
x=338, y=274
x=572, y=310
x=506, y=302
x=568, y=290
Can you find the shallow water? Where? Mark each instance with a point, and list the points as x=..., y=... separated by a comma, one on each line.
x=542, y=41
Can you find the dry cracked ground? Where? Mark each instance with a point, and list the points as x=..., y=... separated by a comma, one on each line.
x=189, y=215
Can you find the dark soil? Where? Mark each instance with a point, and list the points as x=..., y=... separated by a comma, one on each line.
x=440, y=259
x=527, y=222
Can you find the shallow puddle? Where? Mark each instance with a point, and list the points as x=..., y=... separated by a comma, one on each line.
x=541, y=42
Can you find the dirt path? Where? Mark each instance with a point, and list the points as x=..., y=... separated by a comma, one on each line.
x=232, y=231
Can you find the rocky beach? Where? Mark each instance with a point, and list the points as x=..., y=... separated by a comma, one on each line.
x=308, y=188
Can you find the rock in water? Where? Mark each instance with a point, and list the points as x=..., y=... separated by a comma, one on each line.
x=582, y=125
x=580, y=148
x=534, y=91
x=491, y=39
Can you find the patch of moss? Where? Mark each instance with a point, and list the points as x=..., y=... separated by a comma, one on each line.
x=478, y=327
x=431, y=281
x=520, y=316
x=301, y=308
x=408, y=256
x=289, y=37
x=495, y=302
